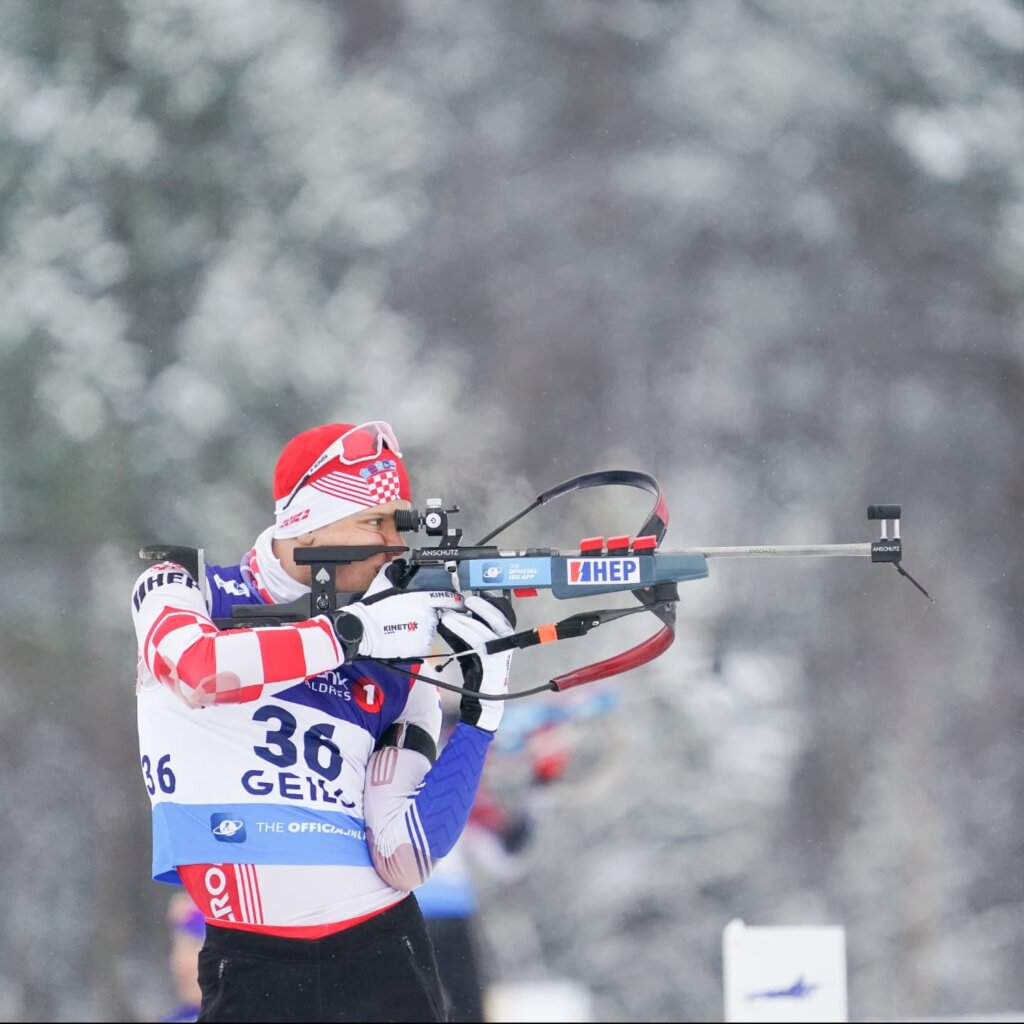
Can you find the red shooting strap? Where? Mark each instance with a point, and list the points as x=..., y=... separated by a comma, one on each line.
x=642, y=653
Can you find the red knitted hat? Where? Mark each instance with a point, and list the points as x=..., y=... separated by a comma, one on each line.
x=335, y=470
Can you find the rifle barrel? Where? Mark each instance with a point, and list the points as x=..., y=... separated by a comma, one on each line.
x=780, y=550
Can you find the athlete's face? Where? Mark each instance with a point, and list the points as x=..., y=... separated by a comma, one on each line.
x=374, y=525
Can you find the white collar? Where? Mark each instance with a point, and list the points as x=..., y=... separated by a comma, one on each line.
x=270, y=575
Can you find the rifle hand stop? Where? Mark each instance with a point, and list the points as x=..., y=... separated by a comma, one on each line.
x=889, y=548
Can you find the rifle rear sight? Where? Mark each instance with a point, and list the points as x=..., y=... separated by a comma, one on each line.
x=433, y=521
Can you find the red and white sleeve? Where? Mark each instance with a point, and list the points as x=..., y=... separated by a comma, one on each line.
x=183, y=648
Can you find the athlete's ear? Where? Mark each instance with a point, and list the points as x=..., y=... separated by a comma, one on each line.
x=306, y=540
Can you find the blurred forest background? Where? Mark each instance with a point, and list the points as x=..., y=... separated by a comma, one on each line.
x=770, y=252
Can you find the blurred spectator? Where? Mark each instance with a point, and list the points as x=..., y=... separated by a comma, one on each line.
x=492, y=839
x=497, y=833
x=188, y=932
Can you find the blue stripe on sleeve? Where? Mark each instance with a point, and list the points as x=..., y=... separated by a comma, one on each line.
x=450, y=786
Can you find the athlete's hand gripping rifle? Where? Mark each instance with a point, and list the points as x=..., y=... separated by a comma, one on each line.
x=600, y=566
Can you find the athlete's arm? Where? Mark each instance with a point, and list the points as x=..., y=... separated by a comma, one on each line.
x=183, y=648
x=415, y=806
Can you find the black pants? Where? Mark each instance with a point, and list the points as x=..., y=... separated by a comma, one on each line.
x=381, y=970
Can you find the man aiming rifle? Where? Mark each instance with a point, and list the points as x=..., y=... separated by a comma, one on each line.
x=296, y=788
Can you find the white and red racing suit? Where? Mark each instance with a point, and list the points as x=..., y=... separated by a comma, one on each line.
x=290, y=794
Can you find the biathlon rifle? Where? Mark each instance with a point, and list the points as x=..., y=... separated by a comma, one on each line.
x=632, y=564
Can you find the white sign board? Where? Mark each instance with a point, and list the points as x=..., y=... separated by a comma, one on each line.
x=785, y=973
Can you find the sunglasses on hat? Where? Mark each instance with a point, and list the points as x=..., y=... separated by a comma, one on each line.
x=358, y=444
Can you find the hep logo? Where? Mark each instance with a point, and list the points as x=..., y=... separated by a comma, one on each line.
x=597, y=571
x=226, y=829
